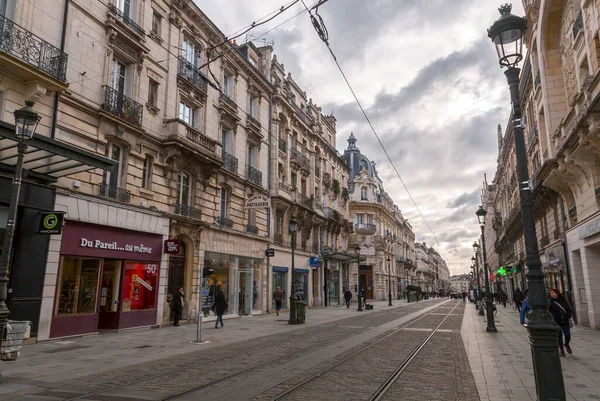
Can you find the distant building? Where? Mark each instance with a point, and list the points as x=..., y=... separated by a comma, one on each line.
x=460, y=282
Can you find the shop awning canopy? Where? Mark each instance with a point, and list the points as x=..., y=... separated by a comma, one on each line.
x=46, y=158
x=340, y=256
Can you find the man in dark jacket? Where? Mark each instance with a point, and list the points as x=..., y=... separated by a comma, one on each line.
x=347, y=297
x=220, y=307
x=177, y=306
x=518, y=297
x=562, y=313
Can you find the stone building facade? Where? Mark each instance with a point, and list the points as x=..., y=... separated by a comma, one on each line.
x=559, y=93
x=385, y=237
x=432, y=272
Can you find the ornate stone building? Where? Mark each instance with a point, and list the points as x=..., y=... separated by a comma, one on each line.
x=385, y=237
x=308, y=181
x=432, y=272
x=559, y=91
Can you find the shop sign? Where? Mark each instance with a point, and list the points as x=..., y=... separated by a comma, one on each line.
x=270, y=252
x=51, y=222
x=258, y=202
x=589, y=229
x=114, y=245
x=172, y=246
x=314, y=261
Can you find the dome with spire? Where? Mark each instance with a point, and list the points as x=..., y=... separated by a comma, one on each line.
x=355, y=160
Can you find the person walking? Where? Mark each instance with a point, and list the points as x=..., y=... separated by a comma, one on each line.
x=220, y=307
x=518, y=297
x=561, y=312
x=347, y=297
x=278, y=296
x=464, y=296
x=524, y=308
x=177, y=306
x=503, y=298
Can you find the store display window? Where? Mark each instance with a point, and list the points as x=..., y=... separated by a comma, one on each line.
x=78, y=286
x=139, y=286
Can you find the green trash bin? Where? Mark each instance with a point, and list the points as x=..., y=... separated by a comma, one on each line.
x=300, y=312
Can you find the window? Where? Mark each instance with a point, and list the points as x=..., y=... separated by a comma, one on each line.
x=227, y=141
x=252, y=156
x=191, y=53
x=279, y=222
x=124, y=6
x=153, y=93
x=115, y=153
x=139, y=286
x=77, y=286
x=224, y=202
x=147, y=172
x=118, y=76
x=253, y=109
x=185, y=193
x=156, y=23
x=369, y=219
x=228, y=85
x=252, y=217
x=363, y=193
x=294, y=180
x=359, y=218
x=187, y=114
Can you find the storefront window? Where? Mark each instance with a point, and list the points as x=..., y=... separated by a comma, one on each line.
x=109, y=292
x=280, y=280
x=78, y=286
x=333, y=287
x=139, y=286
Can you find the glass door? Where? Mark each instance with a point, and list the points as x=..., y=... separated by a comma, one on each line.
x=246, y=291
x=109, y=294
x=280, y=280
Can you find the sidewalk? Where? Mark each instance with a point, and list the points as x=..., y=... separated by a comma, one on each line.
x=53, y=361
x=501, y=362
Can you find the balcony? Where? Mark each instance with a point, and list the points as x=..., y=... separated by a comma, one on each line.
x=284, y=187
x=251, y=229
x=228, y=105
x=400, y=259
x=127, y=21
x=253, y=123
x=305, y=201
x=282, y=145
x=114, y=192
x=255, y=176
x=200, y=139
x=578, y=24
x=18, y=43
x=332, y=214
x=191, y=74
x=187, y=211
x=365, y=228
x=230, y=162
x=123, y=107
x=301, y=160
x=225, y=222
x=278, y=238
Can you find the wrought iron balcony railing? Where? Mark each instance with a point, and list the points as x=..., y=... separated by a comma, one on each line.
x=187, y=211
x=365, y=227
x=282, y=145
x=227, y=100
x=332, y=214
x=278, y=238
x=123, y=107
x=31, y=49
x=253, y=121
x=305, y=201
x=200, y=139
x=251, y=229
x=190, y=73
x=254, y=176
x=116, y=193
x=127, y=20
x=225, y=222
x=230, y=162
x=578, y=24
x=299, y=158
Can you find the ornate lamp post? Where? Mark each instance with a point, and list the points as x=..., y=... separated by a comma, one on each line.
x=26, y=121
x=489, y=308
x=475, y=267
x=389, y=282
x=507, y=35
x=293, y=316
x=360, y=309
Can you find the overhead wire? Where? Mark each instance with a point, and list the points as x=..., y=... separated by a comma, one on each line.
x=321, y=30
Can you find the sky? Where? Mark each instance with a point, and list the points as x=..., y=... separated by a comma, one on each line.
x=428, y=77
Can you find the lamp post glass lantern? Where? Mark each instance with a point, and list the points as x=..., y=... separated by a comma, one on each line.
x=489, y=307
x=507, y=34
x=389, y=282
x=26, y=121
x=293, y=316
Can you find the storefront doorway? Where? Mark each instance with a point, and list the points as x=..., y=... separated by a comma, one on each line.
x=280, y=280
x=176, y=273
x=109, y=294
x=366, y=280
x=246, y=294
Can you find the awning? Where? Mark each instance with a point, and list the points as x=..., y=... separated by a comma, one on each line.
x=340, y=256
x=47, y=158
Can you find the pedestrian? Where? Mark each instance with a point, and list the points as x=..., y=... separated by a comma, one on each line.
x=347, y=297
x=178, y=301
x=524, y=308
x=561, y=312
x=503, y=298
x=464, y=296
x=278, y=296
x=220, y=306
x=518, y=297
x=364, y=297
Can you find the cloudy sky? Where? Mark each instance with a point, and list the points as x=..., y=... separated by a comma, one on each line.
x=429, y=79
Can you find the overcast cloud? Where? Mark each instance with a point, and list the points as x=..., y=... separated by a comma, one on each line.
x=429, y=79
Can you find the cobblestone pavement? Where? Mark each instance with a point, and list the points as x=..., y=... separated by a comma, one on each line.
x=263, y=367
x=501, y=362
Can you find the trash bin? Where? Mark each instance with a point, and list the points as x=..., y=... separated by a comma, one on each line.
x=300, y=312
x=14, y=334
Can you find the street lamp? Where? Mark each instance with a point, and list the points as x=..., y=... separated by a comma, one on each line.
x=489, y=307
x=26, y=121
x=507, y=35
x=360, y=309
x=293, y=317
x=389, y=282
x=476, y=268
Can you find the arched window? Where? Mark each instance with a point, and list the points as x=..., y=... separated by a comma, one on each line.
x=363, y=193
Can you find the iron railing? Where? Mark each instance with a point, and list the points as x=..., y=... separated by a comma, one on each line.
x=282, y=145
x=225, y=222
x=251, y=229
x=226, y=99
x=253, y=121
x=190, y=73
x=254, y=176
x=114, y=192
x=299, y=158
x=187, y=211
x=318, y=206
x=200, y=139
x=278, y=238
x=532, y=135
x=332, y=214
x=127, y=20
x=365, y=227
x=122, y=106
x=305, y=201
x=31, y=49
x=578, y=24
x=230, y=162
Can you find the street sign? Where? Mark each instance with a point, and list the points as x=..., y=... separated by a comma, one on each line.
x=270, y=252
x=51, y=222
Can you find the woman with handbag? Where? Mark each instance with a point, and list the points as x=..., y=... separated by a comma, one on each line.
x=561, y=312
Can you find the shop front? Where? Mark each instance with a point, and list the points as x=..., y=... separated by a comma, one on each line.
x=280, y=280
x=108, y=278
x=332, y=282
x=301, y=283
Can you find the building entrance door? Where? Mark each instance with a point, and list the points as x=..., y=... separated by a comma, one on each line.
x=109, y=294
x=176, y=273
x=366, y=282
